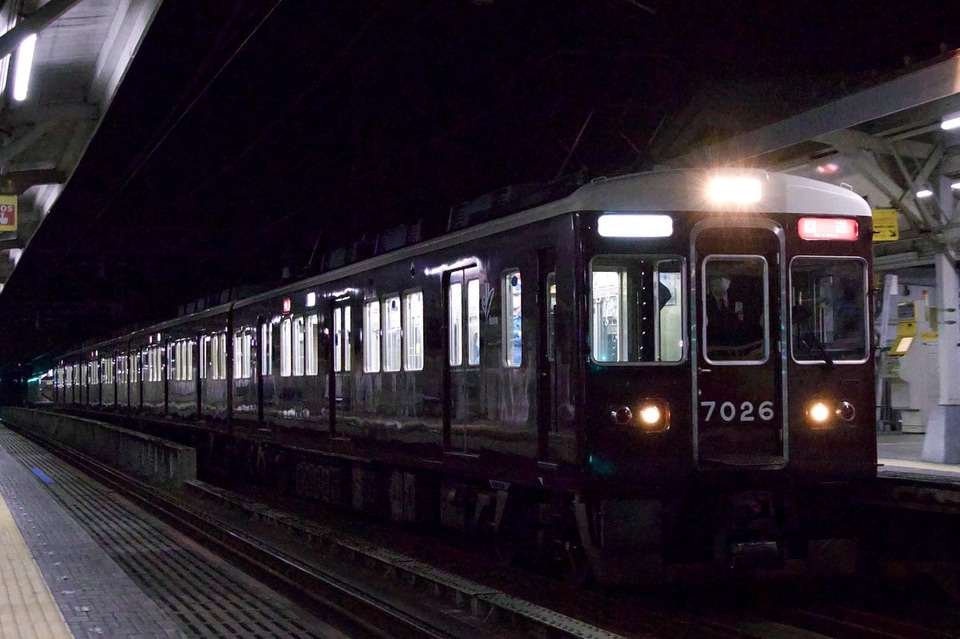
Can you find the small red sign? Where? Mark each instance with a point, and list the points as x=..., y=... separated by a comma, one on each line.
x=8, y=212
x=827, y=228
x=286, y=305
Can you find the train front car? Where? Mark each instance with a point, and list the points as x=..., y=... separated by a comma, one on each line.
x=729, y=396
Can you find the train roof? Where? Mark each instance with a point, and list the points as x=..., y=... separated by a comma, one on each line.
x=664, y=191
x=655, y=191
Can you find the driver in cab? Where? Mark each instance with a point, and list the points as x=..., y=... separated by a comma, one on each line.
x=726, y=333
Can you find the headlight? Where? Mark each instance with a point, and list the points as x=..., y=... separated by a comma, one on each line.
x=653, y=415
x=819, y=413
x=649, y=415
x=822, y=414
x=735, y=190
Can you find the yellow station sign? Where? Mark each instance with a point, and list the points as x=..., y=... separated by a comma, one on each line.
x=885, y=227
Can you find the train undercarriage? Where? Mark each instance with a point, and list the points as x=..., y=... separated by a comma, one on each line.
x=690, y=536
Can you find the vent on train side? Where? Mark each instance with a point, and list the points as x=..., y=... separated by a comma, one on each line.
x=397, y=237
x=511, y=199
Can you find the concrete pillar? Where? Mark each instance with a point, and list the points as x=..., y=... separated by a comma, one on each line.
x=941, y=444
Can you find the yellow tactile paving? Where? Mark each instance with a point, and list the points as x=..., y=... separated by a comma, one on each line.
x=27, y=608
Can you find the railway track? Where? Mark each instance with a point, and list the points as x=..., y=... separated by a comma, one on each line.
x=386, y=593
x=378, y=592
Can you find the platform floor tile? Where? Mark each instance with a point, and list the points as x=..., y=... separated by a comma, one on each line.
x=27, y=607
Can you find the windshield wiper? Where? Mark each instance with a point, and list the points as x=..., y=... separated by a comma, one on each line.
x=803, y=316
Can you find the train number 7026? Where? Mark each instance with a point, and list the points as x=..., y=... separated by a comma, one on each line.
x=747, y=412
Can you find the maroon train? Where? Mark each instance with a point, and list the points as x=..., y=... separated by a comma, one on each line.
x=651, y=375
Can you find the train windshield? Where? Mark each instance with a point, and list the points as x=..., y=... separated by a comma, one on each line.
x=828, y=309
x=636, y=313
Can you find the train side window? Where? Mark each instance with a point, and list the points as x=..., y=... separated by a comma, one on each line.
x=299, y=346
x=222, y=355
x=218, y=356
x=266, y=349
x=829, y=319
x=183, y=370
x=243, y=354
x=371, y=336
x=473, y=322
x=183, y=360
x=341, y=338
x=212, y=362
x=312, y=344
x=173, y=361
x=238, y=355
x=175, y=370
x=551, y=314
x=512, y=319
x=413, y=330
x=636, y=312
x=392, y=332
x=286, y=347
x=456, y=323
x=154, y=355
x=606, y=324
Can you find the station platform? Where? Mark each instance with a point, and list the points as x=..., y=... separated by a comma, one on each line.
x=78, y=560
x=898, y=454
x=55, y=580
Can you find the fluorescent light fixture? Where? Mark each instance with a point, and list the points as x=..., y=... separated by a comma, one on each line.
x=21, y=74
x=735, y=190
x=955, y=186
x=924, y=193
x=950, y=121
x=635, y=225
x=828, y=169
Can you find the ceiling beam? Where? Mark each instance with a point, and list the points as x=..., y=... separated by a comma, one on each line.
x=24, y=141
x=851, y=137
x=934, y=82
x=29, y=115
x=33, y=23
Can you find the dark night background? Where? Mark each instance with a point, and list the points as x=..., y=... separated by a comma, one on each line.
x=249, y=137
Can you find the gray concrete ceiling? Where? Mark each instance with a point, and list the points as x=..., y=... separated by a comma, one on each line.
x=83, y=49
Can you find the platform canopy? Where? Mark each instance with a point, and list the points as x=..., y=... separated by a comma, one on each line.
x=887, y=141
x=75, y=54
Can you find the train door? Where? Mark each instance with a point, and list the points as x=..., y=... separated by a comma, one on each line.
x=738, y=384
x=342, y=356
x=463, y=300
x=546, y=351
